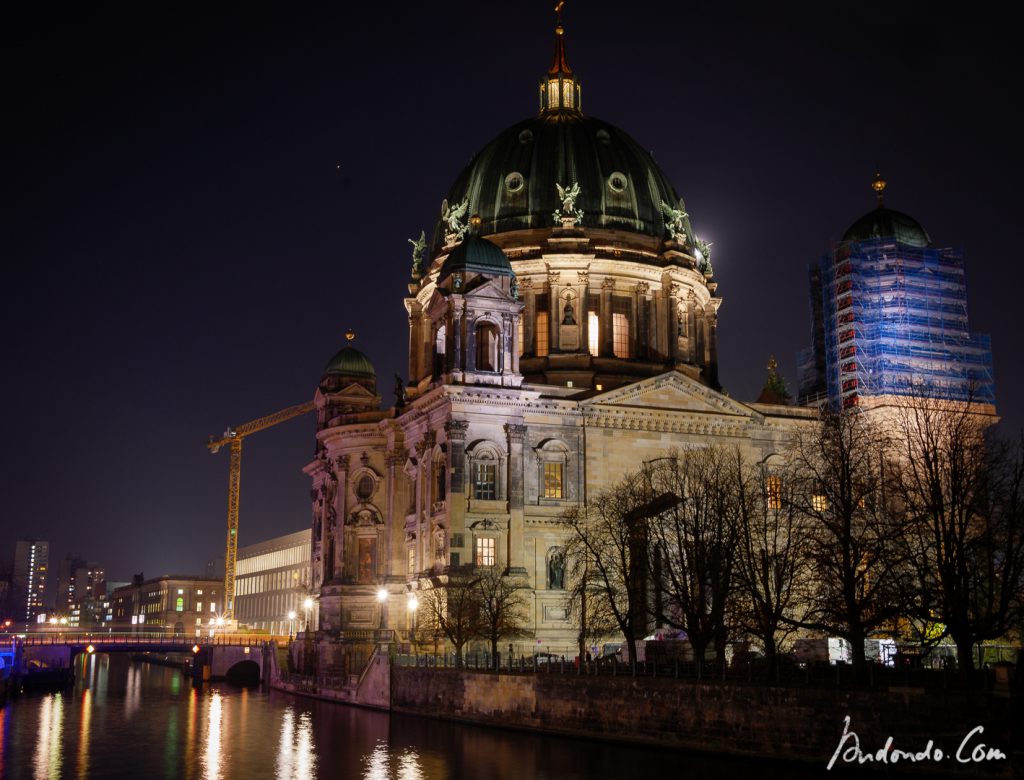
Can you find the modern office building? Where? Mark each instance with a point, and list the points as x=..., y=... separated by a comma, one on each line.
x=272, y=581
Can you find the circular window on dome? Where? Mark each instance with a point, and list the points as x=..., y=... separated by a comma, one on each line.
x=365, y=487
x=603, y=137
x=514, y=182
x=617, y=182
x=525, y=136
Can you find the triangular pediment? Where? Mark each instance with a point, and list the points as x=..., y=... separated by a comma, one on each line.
x=670, y=392
x=488, y=290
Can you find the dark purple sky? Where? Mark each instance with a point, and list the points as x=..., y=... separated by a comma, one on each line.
x=199, y=204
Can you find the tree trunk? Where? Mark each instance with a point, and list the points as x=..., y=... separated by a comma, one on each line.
x=964, y=654
x=856, y=640
x=700, y=649
x=494, y=652
x=770, y=652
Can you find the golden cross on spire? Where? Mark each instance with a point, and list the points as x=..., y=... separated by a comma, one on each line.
x=878, y=185
x=558, y=12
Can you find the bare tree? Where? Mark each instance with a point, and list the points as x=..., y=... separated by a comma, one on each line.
x=607, y=547
x=590, y=613
x=693, y=543
x=771, y=568
x=451, y=608
x=502, y=608
x=843, y=492
x=963, y=529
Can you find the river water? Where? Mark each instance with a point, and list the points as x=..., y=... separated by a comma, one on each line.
x=126, y=719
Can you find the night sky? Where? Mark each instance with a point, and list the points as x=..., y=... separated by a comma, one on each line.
x=199, y=204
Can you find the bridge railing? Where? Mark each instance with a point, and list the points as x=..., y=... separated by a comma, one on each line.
x=148, y=639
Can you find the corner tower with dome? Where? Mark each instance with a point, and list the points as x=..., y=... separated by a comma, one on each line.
x=889, y=318
x=562, y=329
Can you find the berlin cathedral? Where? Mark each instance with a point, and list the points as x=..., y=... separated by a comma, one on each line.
x=562, y=330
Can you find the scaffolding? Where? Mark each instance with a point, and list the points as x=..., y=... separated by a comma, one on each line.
x=893, y=318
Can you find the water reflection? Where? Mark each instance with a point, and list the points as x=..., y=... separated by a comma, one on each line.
x=212, y=757
x=48, y=758
x=295, y=755
x=84, y=724
x=224, y=733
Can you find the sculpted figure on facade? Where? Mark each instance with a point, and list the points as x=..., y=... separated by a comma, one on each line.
x=419, y=247
x=568, y=215
x=556, y=569
x=455, y=218
x=675, y=222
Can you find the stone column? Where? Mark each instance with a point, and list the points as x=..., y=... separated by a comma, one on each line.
x=516, y=523
x=340, y=508
x=554, y=344
x=639, y=337
x=584, y=308
x=691, y=328
x=673, y=324
x=605, y=318
x=712, y=347
x=529, y=315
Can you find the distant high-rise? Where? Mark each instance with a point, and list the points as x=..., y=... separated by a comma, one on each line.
x=889, y=316
x=28, y=580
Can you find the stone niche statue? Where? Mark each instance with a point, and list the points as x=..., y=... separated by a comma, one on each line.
x=568, y=315
x=556, y=569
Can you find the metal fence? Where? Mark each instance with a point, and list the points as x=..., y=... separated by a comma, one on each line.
x=997, y=676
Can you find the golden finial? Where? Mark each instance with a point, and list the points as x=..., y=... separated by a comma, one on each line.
x=350, y=335
x=772, y=364
x=475, y=222
x=558, y=13
x=878, y=185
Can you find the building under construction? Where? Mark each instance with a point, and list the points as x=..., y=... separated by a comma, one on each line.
x=889, y=317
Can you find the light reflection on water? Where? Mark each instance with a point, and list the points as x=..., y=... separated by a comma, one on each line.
x=132, y=720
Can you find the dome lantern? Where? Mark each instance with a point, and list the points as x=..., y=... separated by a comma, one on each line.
x=559, y=89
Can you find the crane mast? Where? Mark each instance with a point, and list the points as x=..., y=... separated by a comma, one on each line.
x=233, y=437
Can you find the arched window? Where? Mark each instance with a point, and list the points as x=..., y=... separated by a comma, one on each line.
x=439, y=350
x=487, y=342
x=179, y=605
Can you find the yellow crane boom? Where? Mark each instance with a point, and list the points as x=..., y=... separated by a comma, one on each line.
x=233, y=437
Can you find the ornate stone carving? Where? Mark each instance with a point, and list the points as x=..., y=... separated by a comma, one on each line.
x=341, y=462
x=526, y=284
x=364, y=459
x=642, y=288
x=583, y=276
x=554, y=276
x=675, y=222
x=515, y=432
x=674, y=289
x=418, y=248
x=568, y=215
x=456, y=429
x=455, y=217
x=608, y=284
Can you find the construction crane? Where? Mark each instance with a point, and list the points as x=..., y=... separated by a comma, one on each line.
x=233, y=437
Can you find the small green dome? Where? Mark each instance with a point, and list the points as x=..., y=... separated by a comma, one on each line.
x=351, y=362
x=478, y=255
x=886, y=223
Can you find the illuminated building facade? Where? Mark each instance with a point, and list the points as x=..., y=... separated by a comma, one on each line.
x=271, y=581
x=889, y=317
x=562, y=329
x=28, y=579
x=169, y=604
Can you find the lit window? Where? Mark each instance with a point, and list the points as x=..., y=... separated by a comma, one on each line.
x=199, y=592
x=774, y=490
x=620, y=335
x=484, y=552
x=552, y=480
x=540, y=335
x=487, y=347
x=199, y=606
x=213, y=607
x=819, y=503
x=485, y=482
x=179, y=604
x=592, y=333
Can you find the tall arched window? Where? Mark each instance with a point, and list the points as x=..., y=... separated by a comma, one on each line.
x=487, y=342
x=439, y=350
x=620, y=328
x=593, y=333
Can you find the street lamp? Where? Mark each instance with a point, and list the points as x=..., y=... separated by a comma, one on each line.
x=382, y=598
x=291, y=628
x=308, y=604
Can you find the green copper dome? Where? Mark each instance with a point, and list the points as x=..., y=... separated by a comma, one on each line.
x=351, y=362
x=886, y=223
x=511, y=183
x=478, y=255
